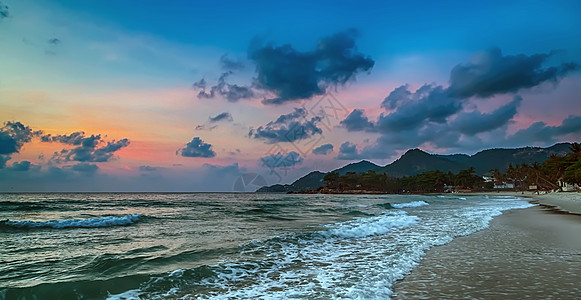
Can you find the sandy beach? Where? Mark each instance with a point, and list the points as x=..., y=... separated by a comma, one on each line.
x=531, y=253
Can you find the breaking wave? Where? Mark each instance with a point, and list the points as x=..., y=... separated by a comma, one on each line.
x=410, y=204
x=75, y=223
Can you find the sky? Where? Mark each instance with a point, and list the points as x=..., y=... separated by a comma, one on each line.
x=231, y=95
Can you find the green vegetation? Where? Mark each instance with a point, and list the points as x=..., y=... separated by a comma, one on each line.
x=546, y=176
x=426, y=182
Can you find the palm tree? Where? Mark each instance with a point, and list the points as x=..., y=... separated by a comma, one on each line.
x=575, y=148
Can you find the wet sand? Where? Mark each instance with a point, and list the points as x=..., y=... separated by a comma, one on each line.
x=531, y=253
x=569, y=202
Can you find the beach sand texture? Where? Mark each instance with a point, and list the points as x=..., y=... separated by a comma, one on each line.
x=565, y=201
x=531, y=253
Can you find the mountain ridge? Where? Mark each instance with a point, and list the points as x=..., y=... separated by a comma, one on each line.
x=415, y=161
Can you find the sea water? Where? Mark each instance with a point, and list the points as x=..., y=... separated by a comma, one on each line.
x=225, y=245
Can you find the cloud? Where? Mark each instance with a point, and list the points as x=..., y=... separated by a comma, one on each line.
x=87, y=149
x=491, y=73
x=225, y=116
x=54, y=41
x=429, y=103
x=293, y=75
x=222, y=170
x=232, y=92
x=398, y=95
x=348, y=151
x=357, y=121
x=436, y=116
x=543, y=133
x=21, y=166
x=323, y=149
x=4, y=12
x=148, y=169
x=230, y=64
x=475, y=122
x=280, y=160
x=13, y=135
x=8, y=145
x=3, y=160
x=75, y=138
x=88, y=153
x=85, y=168
x=288, y=128
x=197, y=148
x=200, y=84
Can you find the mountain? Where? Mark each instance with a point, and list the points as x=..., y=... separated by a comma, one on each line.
x=314, y=180
x=416, y=161
x=486, y=160
x=358, y=167
x=311, y=181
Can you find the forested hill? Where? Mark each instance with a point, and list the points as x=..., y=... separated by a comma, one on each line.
x=416, y=161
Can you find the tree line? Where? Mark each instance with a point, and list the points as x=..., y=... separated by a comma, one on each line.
x=545, y=176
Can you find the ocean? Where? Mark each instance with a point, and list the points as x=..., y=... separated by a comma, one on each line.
x=225, y=245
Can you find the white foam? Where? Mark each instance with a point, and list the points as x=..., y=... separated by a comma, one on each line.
x=410, y=204
x=358, y=259
x=128, y=295
x=74, y=223
x=370, y=226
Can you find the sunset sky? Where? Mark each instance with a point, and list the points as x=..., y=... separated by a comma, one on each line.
x=191, y=95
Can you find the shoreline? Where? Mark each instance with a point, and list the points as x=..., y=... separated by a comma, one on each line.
x=525, y=253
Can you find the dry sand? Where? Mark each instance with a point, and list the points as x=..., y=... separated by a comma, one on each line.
x=530, y=253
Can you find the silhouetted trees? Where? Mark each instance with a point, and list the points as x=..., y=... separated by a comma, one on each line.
x=545, y=176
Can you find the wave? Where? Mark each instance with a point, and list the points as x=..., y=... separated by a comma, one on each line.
x=385, y=205
x=364, y=227
x=410, y=204
x=357, y=213
x=75, y=223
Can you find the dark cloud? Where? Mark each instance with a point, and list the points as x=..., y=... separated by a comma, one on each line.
x=87, y=149
x=475, y=122
x=323, y=149
x=200, y=84
x=540, y=132
x=230, y=64
x=293, y=75
x=288, y=128
x=4, y=12
x=348, y=151
x=13, y=135
x=434, y=115
x=430, y=103
x=54, y=41
x=197, y=148
x=280, y=160
x=75, y=138
x=357, y=121
x=3, y=160
x=21, y=166
x=398, y=95
x=148, y=169
x=225, y=116
x=232, y=92
x=8, y=144
x=492, y=73
x=218, y=171
x=85, y=168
